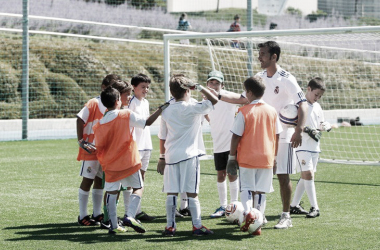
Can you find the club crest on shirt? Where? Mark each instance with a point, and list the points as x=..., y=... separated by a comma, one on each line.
x=89, y=170
x=303, y=162
x=277, y=90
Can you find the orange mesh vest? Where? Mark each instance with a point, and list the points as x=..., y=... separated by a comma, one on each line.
x=116, y=150
x=88, y=134
x=256, y=148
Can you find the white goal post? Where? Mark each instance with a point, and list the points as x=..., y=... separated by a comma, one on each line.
x=348, y=59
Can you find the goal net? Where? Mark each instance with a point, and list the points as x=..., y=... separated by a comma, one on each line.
x=346, y=58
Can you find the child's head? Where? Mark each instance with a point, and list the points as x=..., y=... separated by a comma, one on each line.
x=215, y=80
x=109, y=80
x=125, y=89
x=254, y=88
x=315, y=89
x=183, y=16
x=140, y=84
x=175, y=85
x=110, y=98
x=237, y=18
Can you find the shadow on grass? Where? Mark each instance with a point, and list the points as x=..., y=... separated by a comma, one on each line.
x=342, y=183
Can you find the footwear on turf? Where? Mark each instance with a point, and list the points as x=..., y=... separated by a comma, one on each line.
x=219, y=212
x=105, y=225
x=313, y=213
x=201, y=231
x=178, y=214
x=297, y=209
x=98, y=219
x=265, y=221
x=185, y=212
x=169, y=231
x=248, y=220
x=117, y=230
x=284, y=222
x=133, y=223
x=86, y=221
x=144, y=216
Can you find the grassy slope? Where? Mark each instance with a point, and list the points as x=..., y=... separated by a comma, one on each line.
x=39, y=207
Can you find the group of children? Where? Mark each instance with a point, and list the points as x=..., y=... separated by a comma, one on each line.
x=249, y=148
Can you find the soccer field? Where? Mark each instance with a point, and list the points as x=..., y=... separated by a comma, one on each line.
x=39, y=207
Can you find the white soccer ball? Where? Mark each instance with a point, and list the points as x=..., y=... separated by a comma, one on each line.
x=234, y=212
x=256, y=225
x=289, y=115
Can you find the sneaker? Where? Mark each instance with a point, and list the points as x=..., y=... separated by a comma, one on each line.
x=201, y=231
x=297, y=209
x=86, y=221
x=98, y=219
x=133, y=223
x=169, y=231
x=144, y=216
x=265, y=221
x=178, y=214
x=185, y=212
x=221, y=211
x=117, y=230
x=313, y=213
x=107, y=224
x=284, y=222
x=248, y=220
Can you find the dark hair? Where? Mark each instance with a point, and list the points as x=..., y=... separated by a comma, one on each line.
x=139, y=78
x=109, y=96
x=122, y=86
x=175, y=85
x=273, y=47
x=236, y=17
x=183, y=16
x=317, y=83
x=255, y=85
x=110, y=79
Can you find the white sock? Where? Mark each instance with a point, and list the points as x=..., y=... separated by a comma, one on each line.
x=184, y=201
x=300, y=189
x=83, y=202
x=260, y=202
x=134, y=202
x=126, y=195
x=97, y=200
x=111, y=208
x=222, y=190
x=171, y=205
x=234, y=190
x=246, y=200
x=138, y=209
x=311, y=193
x=195, y=210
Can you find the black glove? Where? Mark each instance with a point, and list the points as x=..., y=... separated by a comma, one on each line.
x=313, y=133
x=232, y=165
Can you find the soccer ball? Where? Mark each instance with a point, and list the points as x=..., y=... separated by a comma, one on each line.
x=259, y=219
x=234, y=212
x=289, y=115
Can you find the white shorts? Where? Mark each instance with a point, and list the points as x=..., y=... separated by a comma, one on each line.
x=145, y=157
x=256, y=179
x=182, y=177
x=134, y=181
x=91, y=169
x=307, y=161
x=286, y=159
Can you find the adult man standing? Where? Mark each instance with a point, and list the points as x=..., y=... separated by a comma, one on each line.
x=281, y=89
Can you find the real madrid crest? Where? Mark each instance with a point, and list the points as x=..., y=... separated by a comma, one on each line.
x=277, y=90
x=303, y=162
x=89, y=170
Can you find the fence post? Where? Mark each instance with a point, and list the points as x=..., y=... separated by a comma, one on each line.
x=25, y=68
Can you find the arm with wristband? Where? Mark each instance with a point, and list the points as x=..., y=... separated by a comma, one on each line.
x=161, y=161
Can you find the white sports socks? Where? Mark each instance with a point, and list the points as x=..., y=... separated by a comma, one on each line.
x=111, y=208
x=311, y=193
x=246, y=200
x=300, y=189
x=171, y=205
x=234, y=190
x=134, y=202
x=126, y=195
x=260, y=202
x=195, y=210
x=222, y=191
x=97, y=200
x=83, y=202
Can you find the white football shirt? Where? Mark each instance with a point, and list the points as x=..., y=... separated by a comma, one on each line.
x=143, y=137
x=282, y=89
x=221, y=122
x=181, y=129
x=314, y=118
